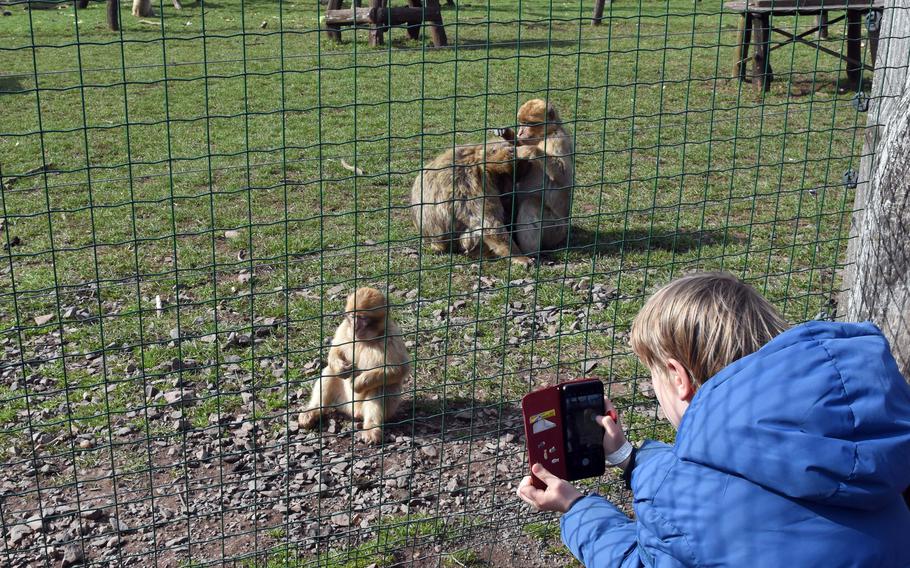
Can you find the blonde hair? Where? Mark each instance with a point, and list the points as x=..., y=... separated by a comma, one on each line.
x=704, y=320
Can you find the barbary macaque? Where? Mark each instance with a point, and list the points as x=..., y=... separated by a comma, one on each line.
x=457, y=198
x=543, y=196
x=143, y=8
x=367, y=364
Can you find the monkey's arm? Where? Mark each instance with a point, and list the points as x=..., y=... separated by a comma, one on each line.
x=338, y=362
x=386, y=375
x=553, y=162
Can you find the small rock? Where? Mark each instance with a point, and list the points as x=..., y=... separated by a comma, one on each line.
x=589, y=366
x=341, y=520
x=18, y=533
x=429, y=451
x=36, y=523
x=15, y=241
x=41, y=320
x=232, y=234
x=179, y=398
x=72, y=555
x=118, y=525
x=264, y=24
x=93, y=514
x=176, y=541
x=454, y=485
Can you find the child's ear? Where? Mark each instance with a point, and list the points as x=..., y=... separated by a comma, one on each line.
x=680, y=381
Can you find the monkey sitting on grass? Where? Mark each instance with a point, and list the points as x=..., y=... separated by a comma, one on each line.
x=457, y=199
x=367, y=364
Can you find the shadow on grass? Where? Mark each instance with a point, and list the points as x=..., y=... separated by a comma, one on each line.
x=615, y=242
x=11, y=84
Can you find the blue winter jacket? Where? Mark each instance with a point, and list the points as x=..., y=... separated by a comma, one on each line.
x=795, y=455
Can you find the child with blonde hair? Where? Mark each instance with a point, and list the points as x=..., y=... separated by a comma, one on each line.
x=792, y=445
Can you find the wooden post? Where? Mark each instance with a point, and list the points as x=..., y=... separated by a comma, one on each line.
x=376, y=30
x=854, y=48
x=878, y=259
x=598, y=12
x=823, y=25
x=414, y=31
x=113, y=15
x=437, y=31
x=762, y=76
x=82, y=4
x=332, y=31
x=742, y=47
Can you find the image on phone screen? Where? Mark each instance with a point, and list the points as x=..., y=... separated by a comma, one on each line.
x=584, y=436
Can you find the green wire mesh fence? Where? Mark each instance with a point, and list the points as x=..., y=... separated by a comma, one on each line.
x=188, y=200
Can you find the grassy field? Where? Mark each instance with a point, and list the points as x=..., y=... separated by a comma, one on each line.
x=175, y=192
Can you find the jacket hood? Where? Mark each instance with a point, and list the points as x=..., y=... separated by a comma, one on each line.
x=820, y=413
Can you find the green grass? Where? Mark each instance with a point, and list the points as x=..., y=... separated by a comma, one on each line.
x=679, y=166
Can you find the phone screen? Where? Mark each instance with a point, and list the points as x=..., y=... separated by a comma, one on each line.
x=583, y=435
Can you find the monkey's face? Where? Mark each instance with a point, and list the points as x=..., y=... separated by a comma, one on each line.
x=536, y=119
x=530, y=134
x=367, y=325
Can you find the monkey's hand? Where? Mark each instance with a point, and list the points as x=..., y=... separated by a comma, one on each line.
x=388, y=375
x=369, y=380
x=338, y=363
x=505, y=133
x=523, y=261
x=529, y=152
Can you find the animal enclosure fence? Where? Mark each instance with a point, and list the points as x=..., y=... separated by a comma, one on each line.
x=186, y=203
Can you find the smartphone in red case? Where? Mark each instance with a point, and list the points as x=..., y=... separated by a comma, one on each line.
x=561, y=431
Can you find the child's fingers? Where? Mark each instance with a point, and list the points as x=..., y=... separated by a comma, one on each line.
x=528, y=493
x=542, y=474
x=610, y=424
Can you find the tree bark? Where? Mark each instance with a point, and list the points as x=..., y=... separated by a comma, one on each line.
x=876, y=284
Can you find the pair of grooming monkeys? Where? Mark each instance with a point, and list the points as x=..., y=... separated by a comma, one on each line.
x=508, y=198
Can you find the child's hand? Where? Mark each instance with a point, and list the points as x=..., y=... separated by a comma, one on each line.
x=614, y=437
x=558, y=496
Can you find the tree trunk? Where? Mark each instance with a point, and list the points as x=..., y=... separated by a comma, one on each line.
x=876, y=285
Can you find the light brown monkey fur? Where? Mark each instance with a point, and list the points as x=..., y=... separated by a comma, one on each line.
x=366, y=366
x=456, y=199
x=143, y=8
x=544, y=194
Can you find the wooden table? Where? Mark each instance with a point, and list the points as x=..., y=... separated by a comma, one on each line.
x=755, y=29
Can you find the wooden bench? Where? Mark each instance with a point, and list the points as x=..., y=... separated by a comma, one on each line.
x=756, y=27
x=379, y=16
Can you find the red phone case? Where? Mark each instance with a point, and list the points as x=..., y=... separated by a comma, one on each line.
x=542, y=410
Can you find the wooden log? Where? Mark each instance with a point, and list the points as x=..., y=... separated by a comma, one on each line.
x=414, y=29
x=377, y=11
x=598, y=12
x=762, y=75
x=437, y=30
x=402, y=15
x=742, y=47
x=333, y=31
x=113, y=15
